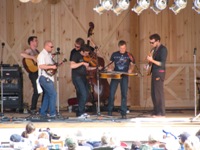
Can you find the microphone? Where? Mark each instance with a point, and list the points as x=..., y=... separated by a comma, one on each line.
x=195, y=49
x=3, y=44
x=58, y=52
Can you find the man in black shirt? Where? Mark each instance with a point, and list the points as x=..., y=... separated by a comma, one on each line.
x=123, y=62
x=158, y=61
x=79, y=79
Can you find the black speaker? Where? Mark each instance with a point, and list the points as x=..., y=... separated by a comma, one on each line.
x=12, y=86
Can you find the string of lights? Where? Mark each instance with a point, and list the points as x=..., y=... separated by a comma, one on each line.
x=121, y=5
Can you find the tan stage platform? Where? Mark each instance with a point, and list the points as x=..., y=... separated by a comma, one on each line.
x=137, y=126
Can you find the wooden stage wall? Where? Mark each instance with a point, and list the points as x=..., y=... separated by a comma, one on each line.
x=65, y=20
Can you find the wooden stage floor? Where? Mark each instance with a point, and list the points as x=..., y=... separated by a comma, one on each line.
x=137, y=126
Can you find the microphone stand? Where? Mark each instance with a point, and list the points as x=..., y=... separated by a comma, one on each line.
x=2, y=114
x=57, y=82
x=195, y=88
x=141, y=75
x=98, y=94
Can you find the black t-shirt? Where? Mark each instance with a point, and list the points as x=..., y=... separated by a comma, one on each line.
x=77, y=58
x=71, y=54
x=122, y=61
x=160, y=55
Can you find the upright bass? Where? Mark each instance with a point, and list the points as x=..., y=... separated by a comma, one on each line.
x=93, y=75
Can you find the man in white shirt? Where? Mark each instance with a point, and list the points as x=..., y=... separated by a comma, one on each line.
x=46, y=80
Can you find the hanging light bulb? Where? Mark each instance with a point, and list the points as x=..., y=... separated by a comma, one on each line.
x=159, y=5
x=121, y=6
x=178, y=5
x=196, y=6
x=24, y=1
x=102, y=6
x=140, y=6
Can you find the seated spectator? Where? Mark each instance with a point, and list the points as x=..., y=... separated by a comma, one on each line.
x=30, y=134
x=109, y=142
x=192, y=143
x=135, y=145
x=43, y=141
x=71, y=143
x=154, y=142
x=182, y=138
x=198, y=134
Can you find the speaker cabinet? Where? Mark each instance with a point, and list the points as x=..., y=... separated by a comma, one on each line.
x=11, y=86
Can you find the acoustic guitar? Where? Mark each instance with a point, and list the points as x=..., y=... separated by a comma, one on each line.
x=115, y=74
x=30, y=65
x=148, y=66
x=52, y=72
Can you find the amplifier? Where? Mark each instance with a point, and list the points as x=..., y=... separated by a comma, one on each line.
x=12, y=102
x=11, y=71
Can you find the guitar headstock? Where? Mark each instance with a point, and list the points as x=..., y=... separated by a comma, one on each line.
x=64, y=60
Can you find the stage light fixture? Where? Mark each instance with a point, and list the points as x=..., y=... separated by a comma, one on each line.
x=24, y=1
x=178, y=5
x=121, y=6
x=140, y=6
x=159, y=5
x=103, y=5
x=196, y=6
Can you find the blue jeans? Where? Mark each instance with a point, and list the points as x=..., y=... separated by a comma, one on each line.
x=81, y=85
x=124, y=88
x=49, y=98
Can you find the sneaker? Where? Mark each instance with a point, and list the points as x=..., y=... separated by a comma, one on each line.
x=52, y=116
x=86, y=115
x=83, y=116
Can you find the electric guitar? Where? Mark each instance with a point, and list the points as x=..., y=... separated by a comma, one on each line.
x=30, y=65
x=52, y=72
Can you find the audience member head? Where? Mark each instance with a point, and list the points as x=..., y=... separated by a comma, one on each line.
x=183, y=137
x=30, y=128
x=16, y=138
x=71, y=143
x=24, y=134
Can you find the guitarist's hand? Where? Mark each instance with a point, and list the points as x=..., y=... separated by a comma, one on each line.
x=150, y=58
x=34, y=59
x=53, y=67
x=130, y=71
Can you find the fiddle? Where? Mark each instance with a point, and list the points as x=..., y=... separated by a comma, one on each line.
x=91, y=60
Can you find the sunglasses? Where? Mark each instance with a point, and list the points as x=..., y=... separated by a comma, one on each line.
x=152, y=42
